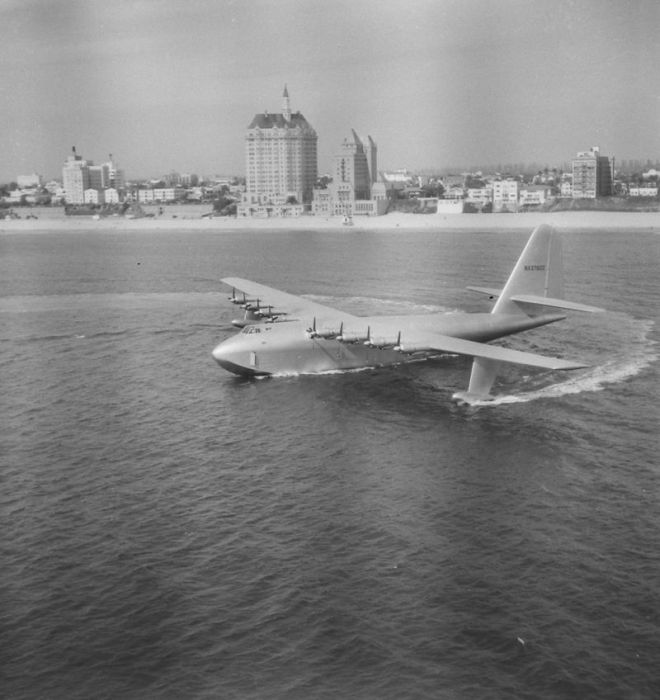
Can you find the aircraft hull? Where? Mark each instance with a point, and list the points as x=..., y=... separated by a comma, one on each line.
x=289, y=347
x=295, y=352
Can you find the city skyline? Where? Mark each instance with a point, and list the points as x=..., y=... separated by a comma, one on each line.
x=164, y=85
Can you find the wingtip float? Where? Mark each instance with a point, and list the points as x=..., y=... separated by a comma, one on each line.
x=286, y=334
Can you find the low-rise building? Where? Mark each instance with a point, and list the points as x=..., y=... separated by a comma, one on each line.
x=505, y=195
x=111, y=195
x=264, y=206
x=534, y=195
x=161, y=195
x=145, y=196
x=566, y=188
x=169, y=194
x=28, y=181
x=479, y=195
x=93, y=196
x=450, y=206
x=643, y=190
x=455, y=192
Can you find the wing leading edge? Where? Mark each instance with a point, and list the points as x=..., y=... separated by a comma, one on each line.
x=459, y=346
x=294, y=306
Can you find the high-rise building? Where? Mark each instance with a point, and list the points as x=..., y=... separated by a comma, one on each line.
x=75, y=178
x=80, y=176
x=354, y=188
x=281, y=160
x=352, y=166
x=592, y=175
x=116, y=178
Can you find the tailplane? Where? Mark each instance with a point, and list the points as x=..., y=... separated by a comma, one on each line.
x=537, y=280
x=535, y=283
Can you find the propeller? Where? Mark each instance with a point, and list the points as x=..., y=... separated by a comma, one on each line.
x=252, y=305
x=386, y=342
x=315, y=332
x=312, y=329
x=350, y=337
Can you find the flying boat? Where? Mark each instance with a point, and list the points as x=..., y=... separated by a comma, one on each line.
x=286, y=334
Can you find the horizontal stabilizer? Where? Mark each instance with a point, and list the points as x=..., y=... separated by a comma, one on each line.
x=538, y=300
x=555, y=303
x=459, y=346
x=489, y=291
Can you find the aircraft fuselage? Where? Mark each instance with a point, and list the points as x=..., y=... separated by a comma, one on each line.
x=291, y=347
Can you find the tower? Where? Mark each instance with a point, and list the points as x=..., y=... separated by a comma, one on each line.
x=286, y=105
x=592, y=175
x=280, y=157
x=75, y=178
x=352, y=167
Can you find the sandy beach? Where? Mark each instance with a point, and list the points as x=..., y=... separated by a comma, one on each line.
x=178, y=218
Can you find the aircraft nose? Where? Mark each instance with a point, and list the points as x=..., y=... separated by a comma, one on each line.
x=226, y=356
x=219, y=353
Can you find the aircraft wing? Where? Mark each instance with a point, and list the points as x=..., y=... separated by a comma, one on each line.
x=293, y=306
x=444, y=343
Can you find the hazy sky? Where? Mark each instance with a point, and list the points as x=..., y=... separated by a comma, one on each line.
x=172, y=84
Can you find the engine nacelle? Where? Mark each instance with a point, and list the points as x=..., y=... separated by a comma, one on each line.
x=316, y=332
x=385, y=341
x=326, y=333
x=269, y=312
x=354, y=336
x=410, y=348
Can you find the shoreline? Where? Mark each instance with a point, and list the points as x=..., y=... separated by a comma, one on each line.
x=50, y=221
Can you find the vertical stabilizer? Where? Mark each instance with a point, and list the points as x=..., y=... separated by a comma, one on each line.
x=538, y=272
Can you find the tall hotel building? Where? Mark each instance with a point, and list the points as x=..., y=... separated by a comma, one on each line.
x=354, y=188
x=592, y=175
x=75, y=178
x=86, y=183
x=281, y=163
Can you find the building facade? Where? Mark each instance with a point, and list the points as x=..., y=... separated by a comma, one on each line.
x=505, y=195
x=75, y=178
x=79, y=176
x=28, y=181
x=592, y=175
x=534, y=195
x=354, y=189
x=281, y=162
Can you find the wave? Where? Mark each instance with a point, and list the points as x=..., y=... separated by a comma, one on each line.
x=368, y=306
x=640, y=353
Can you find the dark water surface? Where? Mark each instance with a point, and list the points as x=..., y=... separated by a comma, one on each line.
x=171, y=531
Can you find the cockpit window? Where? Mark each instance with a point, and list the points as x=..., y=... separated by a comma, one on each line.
x=251, y=329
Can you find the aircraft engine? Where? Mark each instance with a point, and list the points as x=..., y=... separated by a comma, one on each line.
x=409, y=348
x=318, y=332
x=269, y=312
x=385, y=341
x=355, y=337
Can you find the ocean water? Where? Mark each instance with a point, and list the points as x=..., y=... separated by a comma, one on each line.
x=168, y=530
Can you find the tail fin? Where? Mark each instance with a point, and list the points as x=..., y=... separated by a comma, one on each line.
x=538, y=272
x=535, y=282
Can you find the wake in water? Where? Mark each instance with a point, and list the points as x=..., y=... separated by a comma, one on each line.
x=636, y=351
x=375, y=306
x=617, y=350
